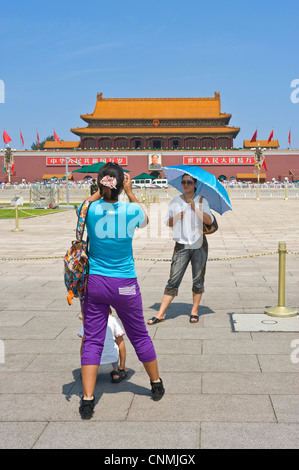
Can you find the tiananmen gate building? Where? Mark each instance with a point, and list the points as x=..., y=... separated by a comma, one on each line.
x=144, y=134
x=156, y=123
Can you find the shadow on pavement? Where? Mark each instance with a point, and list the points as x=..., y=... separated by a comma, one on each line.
x=178, y=309
x=103, y=385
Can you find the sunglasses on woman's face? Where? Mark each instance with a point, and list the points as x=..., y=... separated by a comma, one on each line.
x=188, y=182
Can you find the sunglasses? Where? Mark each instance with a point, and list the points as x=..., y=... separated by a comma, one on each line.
x=188, y=182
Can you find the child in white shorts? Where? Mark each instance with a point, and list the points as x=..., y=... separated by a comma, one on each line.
x=113, y=357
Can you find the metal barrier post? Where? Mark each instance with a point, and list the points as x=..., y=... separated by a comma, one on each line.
x=17, y=229
x=286, y=195
x=281, y=310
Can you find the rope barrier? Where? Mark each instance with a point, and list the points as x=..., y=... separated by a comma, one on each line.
x=25, y=213
x=227, y=258
x=8, y=211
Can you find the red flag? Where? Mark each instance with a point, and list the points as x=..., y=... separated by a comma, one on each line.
x=264, y=164
x=22, y=138
x=253, y=138
x=12, y=168
x=6, y=137
x=37, y=138
x=289, y=139
x=270, y=136
x=56, y=137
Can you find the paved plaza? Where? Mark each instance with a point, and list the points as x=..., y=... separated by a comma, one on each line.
x=224, y=388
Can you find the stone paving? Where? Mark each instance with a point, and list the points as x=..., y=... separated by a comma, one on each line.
x=224, y=389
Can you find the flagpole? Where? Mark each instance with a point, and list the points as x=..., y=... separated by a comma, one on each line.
x=21, y=140
x=37, y=138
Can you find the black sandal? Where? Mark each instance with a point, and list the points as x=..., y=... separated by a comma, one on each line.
x=120, y=374
x=155, y=320
x=194, y=318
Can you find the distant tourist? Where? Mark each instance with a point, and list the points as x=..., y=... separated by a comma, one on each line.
x=93, y=187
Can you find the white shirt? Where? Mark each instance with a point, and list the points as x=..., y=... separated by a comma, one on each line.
x=188, y=231
x=110, y=352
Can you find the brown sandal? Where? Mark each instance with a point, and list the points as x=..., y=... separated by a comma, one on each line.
x=193, y=319
x=155, y=320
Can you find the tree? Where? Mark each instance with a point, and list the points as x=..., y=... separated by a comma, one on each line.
x=35, y=146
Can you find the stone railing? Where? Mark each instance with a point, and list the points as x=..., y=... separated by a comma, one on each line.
x=153, y=195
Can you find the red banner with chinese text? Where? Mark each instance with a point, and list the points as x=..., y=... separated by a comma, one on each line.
x=84, y=161
x=219, y=160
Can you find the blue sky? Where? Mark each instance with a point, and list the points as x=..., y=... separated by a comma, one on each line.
x=56, y=57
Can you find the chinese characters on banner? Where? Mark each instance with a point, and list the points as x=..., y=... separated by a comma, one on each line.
x=60, y=161
x=76, y=161
x=218, y=160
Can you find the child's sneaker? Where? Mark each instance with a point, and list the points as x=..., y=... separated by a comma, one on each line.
x=157, y=390
x=86, y=408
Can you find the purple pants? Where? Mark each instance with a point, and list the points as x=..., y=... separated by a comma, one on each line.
x=124, y=296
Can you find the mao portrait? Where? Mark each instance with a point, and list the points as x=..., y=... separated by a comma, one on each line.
x=155, y=161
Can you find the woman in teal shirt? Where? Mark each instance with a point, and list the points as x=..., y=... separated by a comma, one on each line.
x=113, y=281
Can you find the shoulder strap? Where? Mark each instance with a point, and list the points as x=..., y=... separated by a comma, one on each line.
x=82, y=219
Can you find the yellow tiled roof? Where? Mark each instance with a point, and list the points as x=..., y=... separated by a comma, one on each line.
x=252, y=176
x=261, y=143
x=55, y=175
x=154, y=130
x=156, y=108
x=63, y=145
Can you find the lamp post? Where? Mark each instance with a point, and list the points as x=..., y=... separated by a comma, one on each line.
x=67, y=181
x=258, y=158
x=8, y=161
x=67, y=160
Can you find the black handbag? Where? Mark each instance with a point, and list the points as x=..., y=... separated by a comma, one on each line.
x=212, y=228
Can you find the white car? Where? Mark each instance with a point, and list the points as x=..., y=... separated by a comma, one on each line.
x=160, y=183
x=143, y=183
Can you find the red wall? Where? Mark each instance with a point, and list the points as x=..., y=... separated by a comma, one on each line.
x=31, y=165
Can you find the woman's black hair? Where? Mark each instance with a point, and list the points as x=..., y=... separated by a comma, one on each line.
x=194, y=179
x=116, y=171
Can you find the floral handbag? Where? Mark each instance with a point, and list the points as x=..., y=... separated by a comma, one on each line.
x=76, y=260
